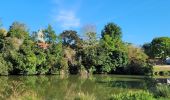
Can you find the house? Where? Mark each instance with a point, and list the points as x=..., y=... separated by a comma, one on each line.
x=41, y=41
x=43, y=45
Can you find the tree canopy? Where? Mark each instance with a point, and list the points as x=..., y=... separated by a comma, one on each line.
x=21, y=53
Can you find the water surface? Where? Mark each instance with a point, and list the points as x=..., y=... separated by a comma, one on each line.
x=66, y=88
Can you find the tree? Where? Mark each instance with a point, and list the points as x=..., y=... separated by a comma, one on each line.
x=137, y=61
x=18, y=30
x=50, y=34
x=161, y=47
x=54, y=57
x=28, y=58
x=113, y=30
x=158, y=48
x=108, y=61
x=4, y=68
x=3, y=33
x=88, y=53
x=147, y=49
x=111, y=53
x=70, y=38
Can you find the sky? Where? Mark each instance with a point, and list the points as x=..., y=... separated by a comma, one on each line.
x=140, y=20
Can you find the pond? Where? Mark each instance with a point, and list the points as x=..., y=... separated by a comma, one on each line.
x=67, y=88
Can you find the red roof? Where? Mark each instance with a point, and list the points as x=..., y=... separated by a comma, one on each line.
x=43, y=45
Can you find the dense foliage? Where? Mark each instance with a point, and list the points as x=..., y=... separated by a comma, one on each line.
x=20, y=52
x=159, y=48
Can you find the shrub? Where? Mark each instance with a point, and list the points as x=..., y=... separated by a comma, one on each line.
x=132, y=95
x=137, y=61
x=3, y=66
x=161, y=90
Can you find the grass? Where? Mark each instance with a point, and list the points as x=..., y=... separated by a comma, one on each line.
x=131, y=95
x=161, y=68
x=83, y=96
x=161, y=90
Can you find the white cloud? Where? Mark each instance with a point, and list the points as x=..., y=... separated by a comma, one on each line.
x=67, y=19
x=65, y=14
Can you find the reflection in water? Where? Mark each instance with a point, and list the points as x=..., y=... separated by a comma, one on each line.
x=67, y=88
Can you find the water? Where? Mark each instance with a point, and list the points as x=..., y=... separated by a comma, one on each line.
x=66, y=88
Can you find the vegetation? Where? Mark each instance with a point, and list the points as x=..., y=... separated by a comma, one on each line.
x=133, y=95
x=21, y=52
x=159, y=49
x=163, y=70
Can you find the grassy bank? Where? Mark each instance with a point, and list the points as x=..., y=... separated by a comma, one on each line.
x=161, y=70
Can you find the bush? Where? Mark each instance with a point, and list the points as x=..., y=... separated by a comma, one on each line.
x=161, y=90
x=132, y=95
x=3, y=66
x=137, y=61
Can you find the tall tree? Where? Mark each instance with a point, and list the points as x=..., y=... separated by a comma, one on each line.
x=113, y=30
x=50, y=34
x=88, y=52
x=158, y=48
x=112, y=53
x=18, y=30
x=70, y=38
x=161, y=47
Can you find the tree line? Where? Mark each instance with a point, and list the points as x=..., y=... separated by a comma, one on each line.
x=68, y=53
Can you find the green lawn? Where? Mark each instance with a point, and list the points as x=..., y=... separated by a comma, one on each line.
x=161, y=68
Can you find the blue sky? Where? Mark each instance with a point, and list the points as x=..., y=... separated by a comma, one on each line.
x=140, y=20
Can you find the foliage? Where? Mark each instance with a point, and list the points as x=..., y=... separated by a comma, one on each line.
x=161, y=90
x=18, y=30
x=111, y=52
x=70, y=38
x=21, y=54
x=137, y=61
x=82, y=96
x=113, y=30
x=159, y=48
x=50, y=34
x=68, y=53
x=133, y=95
x=88, y=53
x=3, y=66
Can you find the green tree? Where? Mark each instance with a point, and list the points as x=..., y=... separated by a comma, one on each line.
x=70, y=38
x=113, y=30
x=54, y=57
x=3, y=34
x=112, y=52
x=50, y=34
x=161, y=47
x=158, y=48
x=147, y=49
x=4, y=68
x=18, y=30
x=137, y=61
x=88, y=53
